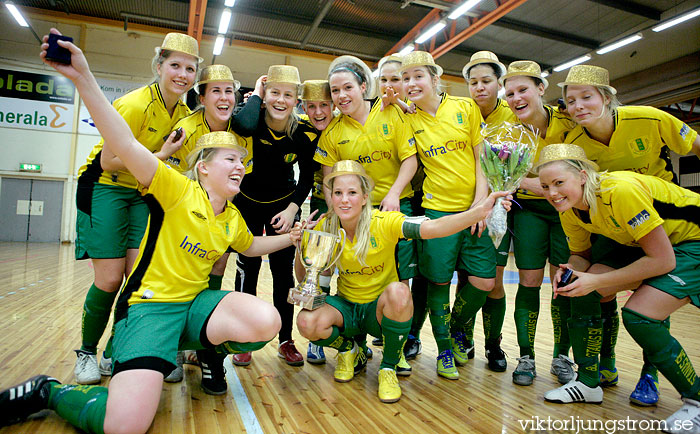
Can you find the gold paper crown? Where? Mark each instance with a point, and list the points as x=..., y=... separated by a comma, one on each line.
x=347, y=167
x=524, y=67
x=214, y=73
x=483, y=57
x=561, y=151
x=588, y=75
x=218, y=139
x=181, y=43
x=283, y=74
x=369, y=82
x=316, y=90
x=419, y=58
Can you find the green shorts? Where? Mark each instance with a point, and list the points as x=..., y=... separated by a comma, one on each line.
x=406, y=255
x=358, y=318
x=503, y=249
x=159, y=330
x=440, y=257
x=538, y=235
x=684, y=280
x=110, y=220
x=317, y=204
x=611, y=253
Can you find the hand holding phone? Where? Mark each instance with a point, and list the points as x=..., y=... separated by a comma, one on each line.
x=178, y=134
x=57, y=53
x=566, y=278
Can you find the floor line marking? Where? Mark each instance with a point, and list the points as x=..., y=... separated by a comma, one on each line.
x=250, y=421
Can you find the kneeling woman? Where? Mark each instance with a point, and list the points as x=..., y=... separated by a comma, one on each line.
x=165, y=300
x=658, y=217
x=373, y=301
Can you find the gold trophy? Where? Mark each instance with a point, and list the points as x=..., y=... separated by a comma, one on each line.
x=319, y=252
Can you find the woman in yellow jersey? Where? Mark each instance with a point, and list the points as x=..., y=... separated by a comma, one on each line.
x=448, y=137
x=662, y=221
x=371, y=299
x=482, y=74
x=164, y=302
x=380, y=140
x=112, y=215
x=216, y=88
x=271, y=197
x=635, y=138
x=537, y=232
x=391, y=91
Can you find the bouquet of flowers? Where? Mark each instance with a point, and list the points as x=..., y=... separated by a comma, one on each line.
x=507, y=156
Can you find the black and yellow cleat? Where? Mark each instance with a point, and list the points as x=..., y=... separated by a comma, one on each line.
x=24, y=399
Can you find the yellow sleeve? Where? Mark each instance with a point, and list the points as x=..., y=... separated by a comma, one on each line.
x=243, y=239
x=633, y=203
x=675, y=133
x=392, y=225
x=578, y=237
x=168, y=186
x=326, y=151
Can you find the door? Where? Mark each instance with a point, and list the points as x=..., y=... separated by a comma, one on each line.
x=30, y=210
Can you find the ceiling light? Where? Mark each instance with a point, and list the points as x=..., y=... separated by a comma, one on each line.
x=218, y=45
x=17, y=14
x=431, y=32
x=620, y=43
x=568, y=65
x=544, y=74
x=407, y=49
x=225, y=20
x=673, y=22
x=229, y=3
x=461, y=10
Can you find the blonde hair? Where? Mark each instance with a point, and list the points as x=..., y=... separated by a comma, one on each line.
x=591, y=186
x=362, y=235
x=292, y=120
x=161, y=57
x=205, y=155
x=613, y=102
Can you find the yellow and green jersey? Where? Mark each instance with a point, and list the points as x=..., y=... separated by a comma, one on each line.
x=365, y=283
x=380, y=145
x=502, y=113
x=195, y=126
x=559, y=126
x=640, y=142
x=631, y=205
x=445, y=145
x=144, y=111
x=183, y=240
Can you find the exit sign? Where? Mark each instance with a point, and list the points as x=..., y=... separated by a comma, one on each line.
x=29, y=167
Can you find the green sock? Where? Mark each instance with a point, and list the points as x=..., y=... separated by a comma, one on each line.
x=493, y=314
x=648, y=367
x=96, y=311
x=611, y=326
x=83, y=407
x=394, y=334
x=336, y=340
x=361, y=341
x=527, y=310
x=467, y=328
x=419, y=294
x=439, y=308
x=664, y=351
x=215, y=281
x=232, y=347
x=468, y=301
x=586, y=334
x=561, y=312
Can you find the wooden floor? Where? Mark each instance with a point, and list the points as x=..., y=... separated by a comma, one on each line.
x=42, y=289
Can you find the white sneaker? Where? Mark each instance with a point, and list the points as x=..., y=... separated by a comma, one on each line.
x=178, y=373
x=575, y=391
x=686, y=420
x=86, y=370
x=563, y=368
x=105, y=365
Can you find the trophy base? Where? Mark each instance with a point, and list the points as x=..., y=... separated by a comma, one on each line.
x=305, y=300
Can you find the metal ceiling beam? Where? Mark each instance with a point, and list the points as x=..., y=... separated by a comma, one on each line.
x=319, y=17
x=632, y=8
x=532, y=29
x=476, y=26
x=198, y=9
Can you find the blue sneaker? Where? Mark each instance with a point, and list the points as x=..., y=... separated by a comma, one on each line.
x=315, y=354
x=608, y=377
x=647, y=391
